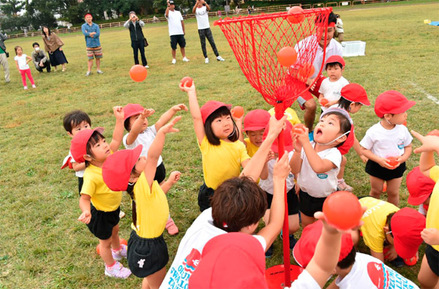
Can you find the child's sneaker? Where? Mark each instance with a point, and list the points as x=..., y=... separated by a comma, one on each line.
x=206, y=60
x=342, y=186
x=269, y=252
x=185, y=59
x=99, y=71
x=219, y=58
x=117, y=271
x=119, y=255
x=121, y=214
x=34, y=86
x=174, y=61
x=25, y=87
x=171, y=227
x=293, y=242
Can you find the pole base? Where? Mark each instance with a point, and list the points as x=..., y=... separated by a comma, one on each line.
x=275, y=275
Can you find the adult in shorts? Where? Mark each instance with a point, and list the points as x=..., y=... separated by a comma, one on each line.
x=176, y=31
x=92, y=32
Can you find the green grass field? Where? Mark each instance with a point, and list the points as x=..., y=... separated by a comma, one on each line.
x=42, y=243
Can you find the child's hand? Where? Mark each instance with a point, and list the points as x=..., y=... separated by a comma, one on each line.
x=169, y=127
x=385, y=164
x=174, y=177
x=303, y=137
x=430, y=236
x=187, y=89
x=275, y=126
x=179, y=107
x=271, y=155
x=391, y=254
x=282, y=167
x=364, y=158
x=85, y=217
x=429, y=142
x=118, y=112
x=147, y=112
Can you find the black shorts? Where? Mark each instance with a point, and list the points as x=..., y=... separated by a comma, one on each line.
x=433, y=259
x=146, y=256
x=160, y=173
x=102, y=223
x=375, y=170
x=292, y=200
x=80, y=183
x=309, y=205
x=178, y=39
x=204, y=195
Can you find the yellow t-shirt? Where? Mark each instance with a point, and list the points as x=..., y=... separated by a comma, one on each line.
x=251, y=148
x=152, y=209
x=102, y=198
x=221, y=162
x=374, y=221
x=433, y=207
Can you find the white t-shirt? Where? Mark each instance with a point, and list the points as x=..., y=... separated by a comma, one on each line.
x=144, y=138
x=387, y=142
x=190, y=249
x=22, y=65
x=369, y=272
x=79, y=174
x=323, y=184
x=339, y=26
x=174, y=23
x=331, y=89
x=267, y=184
x=202, y=17
x=304, y=281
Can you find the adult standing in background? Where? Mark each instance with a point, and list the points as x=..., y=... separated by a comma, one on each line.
x=138, y=40
x=3, y=57
x=92, y=32
x=176, y=31
x=53, y=45
x=39, y=58
x=201, y=10
x=339, y=31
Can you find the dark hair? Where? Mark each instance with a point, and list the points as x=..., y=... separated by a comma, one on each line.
x=388, y=219
x=344, y=104
x=126, y=124
x=330, y=65
x=331, y=19
x=94, y=139
x=35, y=43
x=16, y=47
x=211, y=137
x=237, y=203
x=348, y=261
x=345, y=124
x=44, y=33
x=75, y=118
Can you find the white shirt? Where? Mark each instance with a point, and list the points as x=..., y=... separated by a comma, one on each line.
x=79, y=174
x=304, y=281
x=323, y=184
x=331, y=89
x=386, y=142
x=202, y=18
x=339, y=26
x=174, y=23
x=267, y=184
x=22, y=65
x=190, y=249
x=369, y=272
x=144, y=138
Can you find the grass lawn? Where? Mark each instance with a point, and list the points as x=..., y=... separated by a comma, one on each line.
x=42, y=243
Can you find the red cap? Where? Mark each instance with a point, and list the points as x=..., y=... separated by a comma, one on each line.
x=117, y=168
x=406, y=226
x=335, y=59
x=87, y=14
x=209, y=107
x=304, y=249
x=132, y=109
x=78, y=146
x=392, y=101
x=232, y=260
x=288, y=138
x=355, y=93
x=419, y=186
x=256, y=119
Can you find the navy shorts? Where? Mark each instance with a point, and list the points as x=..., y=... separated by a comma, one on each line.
x=160, y=173
x=309, y=205
x=433, y=259
x=178, y=39
x=102, y=223
x=375, y=170
x=146, y=256
x=204, y=195
x=292, y=200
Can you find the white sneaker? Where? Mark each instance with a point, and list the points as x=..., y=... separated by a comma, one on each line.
x=122, y=253
x=25, y=87
x=88, y=73
x=99, y=71
x=146, y=66
x=117, y=271
x=121, y=214
x=219, y=58
x=34, y=86
x=206, y=60
x=174, y=61
x=185, y=59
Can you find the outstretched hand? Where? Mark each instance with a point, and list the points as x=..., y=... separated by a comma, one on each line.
x=429, y=142
x=183, y=87
x=169, y=127
x=85, y=217
x=118, y=112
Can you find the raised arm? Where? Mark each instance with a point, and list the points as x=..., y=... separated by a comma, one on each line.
x=118, y=129
x=430, y=145
x=194, y=108
x=138, y=124
x=166, y=117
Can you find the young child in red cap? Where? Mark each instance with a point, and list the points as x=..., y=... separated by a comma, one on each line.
x=318, y=162
x=139, y=133
x=388, y=145
x=100, y=205
x=129, y=170
x=223, y=154
x=429, y=273
x=255, y=122
x=420, y=188
x=332, y=85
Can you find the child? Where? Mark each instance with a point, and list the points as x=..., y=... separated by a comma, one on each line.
x=332, y=85
x=147, y=250
x=237, y=206
x=266, y=183
x=100, y=205
x=136, y=123
x=218, y=138
x=420, y=188
x=353, y=97
x=254, y=125
x=21, y=61
x=399, y=230
x=388, y=138
x=428, y=275
x=318, y=162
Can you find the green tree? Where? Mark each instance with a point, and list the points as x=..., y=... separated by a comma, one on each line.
x=12, y=7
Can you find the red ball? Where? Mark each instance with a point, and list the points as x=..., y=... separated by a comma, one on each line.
x=299, y=128
x=392, y=161
x=342, y=210
x=434, y=132
x=122, y=241
x=305, y=71
x=138, y=73
x=287, y=56
x=324, y=101
x=237, y=111
x=186, y=81
x=295, y=15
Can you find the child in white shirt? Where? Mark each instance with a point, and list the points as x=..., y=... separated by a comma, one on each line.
x=332, y=85
x=22, y=60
